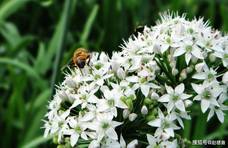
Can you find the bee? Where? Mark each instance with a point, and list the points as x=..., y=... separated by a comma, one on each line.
x=80, y=58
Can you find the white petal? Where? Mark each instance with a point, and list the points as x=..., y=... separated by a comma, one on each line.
x=76, y=103
x=132, y=79
x=169, y=89
x=151, y=139
x=94, y=144
x=185, y=96
x=197, y=88
x=180, y=88
x=170, y=106
x=88, y=116
x=84, y=136
x=120, y=73
x=187, y=57
x=164, y=48
x=122, y=141
x=180, y=105
x=211, y=114
x=133, y=144
x=155, y=123
x=220, y=115
x=197, y=98
x=169, y=131
x=121, y=104
x=225, y=78
x=145, y=90
x=178, y=52
x=164, y=98
x=180, y=122
x=92, y=99
x=199, y=76
x=115, y=123
x=204, y=105
x=100, y=82
x=196, y=52
x=111, y=133
x=74, y=139
x=214, y=102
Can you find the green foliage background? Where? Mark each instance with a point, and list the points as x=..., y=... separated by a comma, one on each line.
x=38, y=37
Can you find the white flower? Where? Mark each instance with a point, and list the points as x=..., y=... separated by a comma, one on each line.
x=142, y=83
x=78, y=130
x=139, y=81
x=105, y=126
x=223, y=55
x=189, y=48
x=99, y=75
x=207, y=94
x=218, y=110
x=164, y=124
x=175, y=97
x=111, y=101
x=208, y=74
x=156, y=142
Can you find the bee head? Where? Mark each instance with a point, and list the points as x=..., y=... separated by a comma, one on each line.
x=81, y=63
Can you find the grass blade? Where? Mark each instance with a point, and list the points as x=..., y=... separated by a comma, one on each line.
x=11, y=7
x=88, y=25
x=36, y=142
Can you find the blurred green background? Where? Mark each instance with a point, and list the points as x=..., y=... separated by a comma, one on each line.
x=38, y=37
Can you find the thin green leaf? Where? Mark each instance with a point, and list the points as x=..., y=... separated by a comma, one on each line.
x=29, y=70
x=88, y=25
x=11, y=7
x=36, y=142
x=57, y=42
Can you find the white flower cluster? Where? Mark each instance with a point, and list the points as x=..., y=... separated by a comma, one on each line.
x=141, y=95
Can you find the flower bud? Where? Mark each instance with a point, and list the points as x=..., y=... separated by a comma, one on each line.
x=154, y=96
x=150, y=117
x=199, y=67
x=60, y=146
x=187, y=103
x=120, y=73
x=129, y=104
x=183, y=74
x=126, y=113
x=173, y=64
x=194, y=60
x=212, y=58
x=144, y=110
x=132, y=116
x=147, y=101
x=174, y=71
x=189, y=69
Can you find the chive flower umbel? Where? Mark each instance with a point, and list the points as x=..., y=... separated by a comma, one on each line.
x=141, y=95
